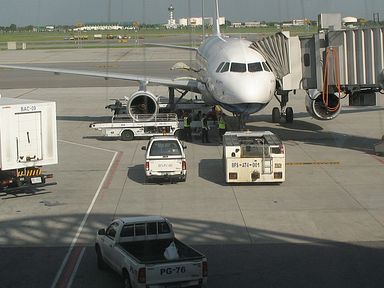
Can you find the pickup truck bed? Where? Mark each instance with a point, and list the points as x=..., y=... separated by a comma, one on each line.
x=151, y=252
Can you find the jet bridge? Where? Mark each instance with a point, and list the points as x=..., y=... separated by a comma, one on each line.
x=329, y=65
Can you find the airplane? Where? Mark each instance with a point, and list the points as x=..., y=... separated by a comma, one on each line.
x=229, y=73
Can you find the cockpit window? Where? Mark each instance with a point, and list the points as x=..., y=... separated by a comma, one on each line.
x=238, y=67
x=220, y=66
x=255, y=67
x=225, y=67
x=266, y=67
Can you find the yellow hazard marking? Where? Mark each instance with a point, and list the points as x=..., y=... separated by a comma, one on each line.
x=312, y=163
x=29, y=172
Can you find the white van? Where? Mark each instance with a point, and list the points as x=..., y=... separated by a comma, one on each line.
x=165, y=159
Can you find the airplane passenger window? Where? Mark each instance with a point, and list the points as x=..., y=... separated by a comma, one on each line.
x=238, y=67
x=265, y=66
x=225, y=67
x=255, y=67
x=220, y=66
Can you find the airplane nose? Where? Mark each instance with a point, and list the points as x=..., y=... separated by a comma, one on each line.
x=253, y=91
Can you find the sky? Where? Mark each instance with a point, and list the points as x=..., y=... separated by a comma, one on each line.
x=70, y=12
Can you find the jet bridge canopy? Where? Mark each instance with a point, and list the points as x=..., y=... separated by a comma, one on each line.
x=298, y=63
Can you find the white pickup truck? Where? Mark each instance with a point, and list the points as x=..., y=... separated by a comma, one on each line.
x=138, y=249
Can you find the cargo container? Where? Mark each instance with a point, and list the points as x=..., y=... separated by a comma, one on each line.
x=28, y=141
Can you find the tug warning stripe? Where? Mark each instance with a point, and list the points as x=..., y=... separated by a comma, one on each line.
x=29, y=172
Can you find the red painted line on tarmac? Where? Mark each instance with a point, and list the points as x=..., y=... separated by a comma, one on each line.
x=112, y=172
x=69, y=268
x=380, y=159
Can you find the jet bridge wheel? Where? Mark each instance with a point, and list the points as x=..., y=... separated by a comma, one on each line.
x=289, y=115
x=127, y=135
x=275, y=115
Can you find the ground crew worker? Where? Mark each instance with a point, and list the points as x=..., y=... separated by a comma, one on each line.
x=187, y=127
x=222, y=127
x=204, y=129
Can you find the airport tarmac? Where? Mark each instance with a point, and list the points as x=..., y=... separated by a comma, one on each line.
x=323, y=227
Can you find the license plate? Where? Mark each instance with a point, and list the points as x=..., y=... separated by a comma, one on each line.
x=36, y=180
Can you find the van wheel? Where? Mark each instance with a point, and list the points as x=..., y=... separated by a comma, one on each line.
x=100, y=261
x=127, y=135
x=126, y=280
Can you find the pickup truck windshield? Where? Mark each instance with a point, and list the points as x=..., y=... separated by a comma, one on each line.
x=166, y=147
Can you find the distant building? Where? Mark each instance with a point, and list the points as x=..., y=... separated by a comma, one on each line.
x=248, y=24
x=192, y=21
x=295, y=22
x=350, y=22
x=198, y=21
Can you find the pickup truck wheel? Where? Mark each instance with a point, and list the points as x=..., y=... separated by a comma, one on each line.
x=127, y=135
x=100, y=261
x=126, y=280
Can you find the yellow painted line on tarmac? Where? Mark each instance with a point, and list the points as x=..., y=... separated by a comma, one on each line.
x=107, y=66
x=312, y=163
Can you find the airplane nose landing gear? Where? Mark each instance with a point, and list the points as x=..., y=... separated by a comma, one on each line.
x=284, y=111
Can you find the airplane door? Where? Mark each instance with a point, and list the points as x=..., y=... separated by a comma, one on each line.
x=29, y=146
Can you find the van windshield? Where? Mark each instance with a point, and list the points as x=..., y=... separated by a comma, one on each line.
x=165, y=147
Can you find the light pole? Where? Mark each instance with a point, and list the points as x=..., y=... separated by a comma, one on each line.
x=202, y=16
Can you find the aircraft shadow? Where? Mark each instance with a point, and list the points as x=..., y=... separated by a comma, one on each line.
x=311, y=133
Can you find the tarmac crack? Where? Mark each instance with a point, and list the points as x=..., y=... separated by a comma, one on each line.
x=242, y=216
x=125, y=182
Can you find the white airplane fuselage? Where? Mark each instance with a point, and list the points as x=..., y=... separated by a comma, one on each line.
x=244, y=84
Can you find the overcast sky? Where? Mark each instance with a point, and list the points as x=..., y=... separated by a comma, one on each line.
x=48, y=12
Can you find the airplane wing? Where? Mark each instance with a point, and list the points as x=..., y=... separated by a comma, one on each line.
x=173, y=46
x=184, y=83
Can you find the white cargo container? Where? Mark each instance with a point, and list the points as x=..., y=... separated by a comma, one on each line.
x=28, y=140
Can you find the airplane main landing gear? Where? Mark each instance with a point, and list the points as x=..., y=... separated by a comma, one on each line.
x=286, y=112
x=241, y=120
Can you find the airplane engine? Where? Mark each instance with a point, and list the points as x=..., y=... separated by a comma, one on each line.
x=316, y=108
x=142, y=105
